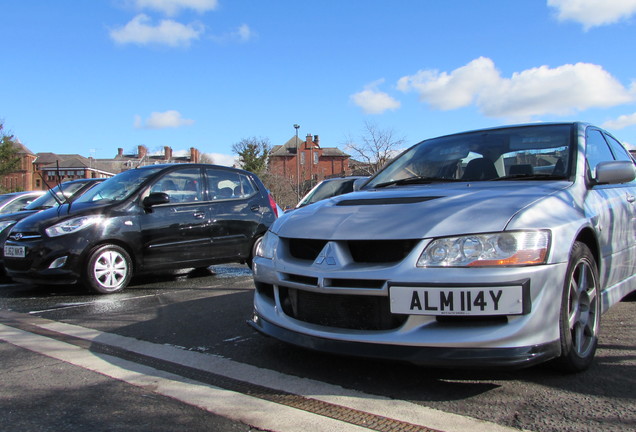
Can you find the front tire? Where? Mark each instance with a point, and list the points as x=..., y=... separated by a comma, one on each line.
x=250, y=260
x=109, y=269
x=580, y=317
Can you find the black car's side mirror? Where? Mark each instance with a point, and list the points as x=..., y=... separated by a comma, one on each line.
x=156, y=198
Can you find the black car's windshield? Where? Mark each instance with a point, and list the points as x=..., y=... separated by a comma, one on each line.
x=55, y=196
x=517, y=153
x=119, y=187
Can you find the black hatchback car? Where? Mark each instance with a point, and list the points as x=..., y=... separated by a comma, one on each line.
x=152, y=218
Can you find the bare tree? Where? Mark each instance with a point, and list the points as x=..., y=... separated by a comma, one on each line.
x=375, y=147
x=206, y=158
x=283, y=189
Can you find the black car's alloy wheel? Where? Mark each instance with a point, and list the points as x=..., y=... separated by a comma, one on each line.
x=109, y=269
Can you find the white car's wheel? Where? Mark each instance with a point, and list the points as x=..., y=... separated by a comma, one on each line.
x=109, y=269
x=580, y=311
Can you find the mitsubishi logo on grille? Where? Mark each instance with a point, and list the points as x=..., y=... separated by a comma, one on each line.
x=326, y=256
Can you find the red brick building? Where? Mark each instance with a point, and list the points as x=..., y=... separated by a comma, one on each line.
x=42, y=170
x=306, y=160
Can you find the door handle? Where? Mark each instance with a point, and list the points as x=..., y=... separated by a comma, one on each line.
x=199, y=215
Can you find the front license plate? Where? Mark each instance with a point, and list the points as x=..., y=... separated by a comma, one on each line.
x=14, y=251
x=500, y=300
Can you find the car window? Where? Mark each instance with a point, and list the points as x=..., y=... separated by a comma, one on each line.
x=620, y=153
x=597, y=150
x=53, y=197
x=327, y=189
x=118, y=187
x=18, y=204
x=539, y=153
x=182, y=186
x=224, y=184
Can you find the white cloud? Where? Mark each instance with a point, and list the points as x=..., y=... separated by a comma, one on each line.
x=373, y=101
x=621, y=122
x=223, y=159
x=592, y=13
x=173, y=7
x=534, y=92
x=162, y=120
x=242, y=34
x=140, y=31
x=455, y=90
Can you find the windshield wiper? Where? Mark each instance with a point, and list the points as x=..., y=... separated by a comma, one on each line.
x=531, y=177
x=416, y=180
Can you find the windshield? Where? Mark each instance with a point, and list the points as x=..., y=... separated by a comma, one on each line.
x=119, y=187
x=327, y=189
x=519, y=153
x=62, y=191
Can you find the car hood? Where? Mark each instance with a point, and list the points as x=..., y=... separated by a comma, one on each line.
x=413, y=212
x=48, y=217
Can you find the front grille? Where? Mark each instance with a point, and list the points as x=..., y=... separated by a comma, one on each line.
x=306, y=249
x=380, y=251
x=362, y=251
x=22, y=236
x=341, y=311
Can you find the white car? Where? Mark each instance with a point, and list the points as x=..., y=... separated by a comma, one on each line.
x=497, y=247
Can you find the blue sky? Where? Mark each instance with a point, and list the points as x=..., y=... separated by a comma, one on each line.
x=90, y=76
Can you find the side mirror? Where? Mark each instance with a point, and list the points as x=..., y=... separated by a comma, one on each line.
x=615, y=172
x=155, y=199
x=357, y=183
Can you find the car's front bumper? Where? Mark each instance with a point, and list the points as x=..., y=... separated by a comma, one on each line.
x=516, y=340
x=515, y=357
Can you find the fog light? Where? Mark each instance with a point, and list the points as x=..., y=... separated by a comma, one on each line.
x=59, y=262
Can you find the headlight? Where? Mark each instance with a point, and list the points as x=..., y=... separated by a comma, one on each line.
x=515, y=248
x=72, y=225
x=267, y=248
x=6, y=224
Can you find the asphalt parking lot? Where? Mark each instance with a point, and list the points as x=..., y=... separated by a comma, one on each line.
x=190, y=329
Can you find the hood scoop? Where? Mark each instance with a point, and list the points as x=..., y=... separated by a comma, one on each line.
x=385, y=201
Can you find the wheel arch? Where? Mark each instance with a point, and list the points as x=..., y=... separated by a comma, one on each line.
x=588, y=237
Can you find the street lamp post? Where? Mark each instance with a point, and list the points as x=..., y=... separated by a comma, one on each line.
x=297, y=126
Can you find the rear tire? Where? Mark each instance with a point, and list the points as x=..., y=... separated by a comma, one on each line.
x=109, y=269
x=580, y=317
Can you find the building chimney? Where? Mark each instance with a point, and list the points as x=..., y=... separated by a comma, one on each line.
x=308, y=141
x=317, y=141
x=167, y=153
x=194, y=155
x=141, y=151
x=120, y=152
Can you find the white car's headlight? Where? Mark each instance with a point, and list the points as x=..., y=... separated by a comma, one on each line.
x=267, y=248
x=6, y=224
x=72, y=225
x=515, y=248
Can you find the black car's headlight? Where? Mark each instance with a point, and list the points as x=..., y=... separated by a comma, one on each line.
x=70, y=226
x=6, y=224
x=267, y=247
x=514, y=248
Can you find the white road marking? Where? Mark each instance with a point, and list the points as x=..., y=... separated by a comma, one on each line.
x=236, y=406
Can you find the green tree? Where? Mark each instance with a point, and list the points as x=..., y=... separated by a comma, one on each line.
x=9, y=156
x=253, y=153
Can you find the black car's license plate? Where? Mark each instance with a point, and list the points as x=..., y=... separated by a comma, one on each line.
x=500, y=300
x=14, y=251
